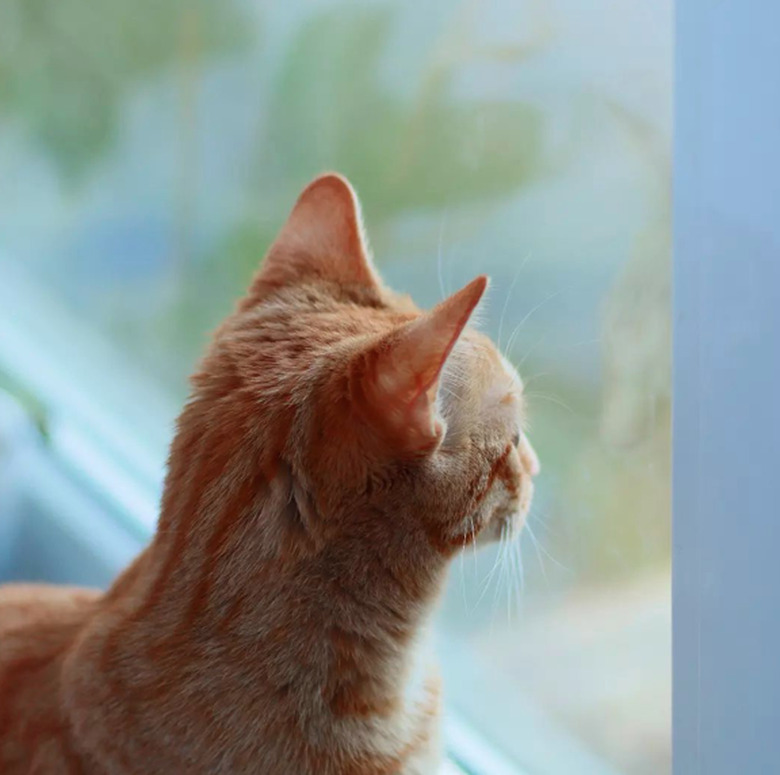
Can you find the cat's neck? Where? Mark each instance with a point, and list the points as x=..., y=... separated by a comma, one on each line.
x=243, y=608
x=271, y=580
x=248, y=595
x=214, y=626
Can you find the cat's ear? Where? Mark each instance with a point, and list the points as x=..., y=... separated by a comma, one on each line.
x=321, y=240
x=407, y=368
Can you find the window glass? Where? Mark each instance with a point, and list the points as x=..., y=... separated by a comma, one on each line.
x=150, y=149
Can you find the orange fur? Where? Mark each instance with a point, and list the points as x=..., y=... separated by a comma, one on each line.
x=339, y=447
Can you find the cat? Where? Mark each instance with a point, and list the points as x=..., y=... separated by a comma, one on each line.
x=339, y=448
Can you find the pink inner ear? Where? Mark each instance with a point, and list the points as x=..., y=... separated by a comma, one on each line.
x=322, y=239
x=408, y=371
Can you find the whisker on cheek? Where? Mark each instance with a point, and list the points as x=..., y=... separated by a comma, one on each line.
x=542, y=547
x=538, y=552
x=521, y=577
x=439, y=256
x=552, y=399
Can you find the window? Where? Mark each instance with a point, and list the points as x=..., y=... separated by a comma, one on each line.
x=155, y=148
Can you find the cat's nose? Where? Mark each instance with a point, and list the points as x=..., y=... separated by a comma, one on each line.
x=528, y=456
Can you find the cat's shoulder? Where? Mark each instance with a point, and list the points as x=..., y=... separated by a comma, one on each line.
x=27, y=610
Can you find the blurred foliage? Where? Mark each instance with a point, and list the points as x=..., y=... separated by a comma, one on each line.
x=67, y=68
x=330, y=108
x=610, y=442
x=629, y=497
x=65, y=65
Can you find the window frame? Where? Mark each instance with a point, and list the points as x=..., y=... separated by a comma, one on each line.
x=726, y=426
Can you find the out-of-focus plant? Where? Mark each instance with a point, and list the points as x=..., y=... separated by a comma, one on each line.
x=65, y=65
x=420, y=152
x=637, y=321
x=331, y=108
x=622, y=482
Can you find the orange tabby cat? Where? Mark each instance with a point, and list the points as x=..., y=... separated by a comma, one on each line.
x=339, y=448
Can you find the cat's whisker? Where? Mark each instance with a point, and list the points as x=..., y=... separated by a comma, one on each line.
x=530, y=351
x=508, y=350
x=510, y=585
x=521, y=574
x=511, y=575
x=540, y=516
x=463, y=578
x=518, y=577
x=531, y=312
x=493, y=570
x=560, y=349
x=506, y=567
x=544, y=550
x=439, y=271
x=502, y=545
x=535, y=543
x=494, y=605
x=512, y=588
x=534, y=377
x=492, y=573
x=567, y=346
x=474, y=542
x=552, y=399
x=544, y=335
x=508, y=298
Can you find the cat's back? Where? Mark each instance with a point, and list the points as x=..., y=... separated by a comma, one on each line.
x=38, y=624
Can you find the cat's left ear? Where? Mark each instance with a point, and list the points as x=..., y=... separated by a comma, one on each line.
x=322, y=239
x=403, y=382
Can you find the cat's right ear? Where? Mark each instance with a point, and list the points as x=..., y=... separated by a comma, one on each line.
x=322, y=240
x=401, y=380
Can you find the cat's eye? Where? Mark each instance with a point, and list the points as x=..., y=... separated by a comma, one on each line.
x=516, y=439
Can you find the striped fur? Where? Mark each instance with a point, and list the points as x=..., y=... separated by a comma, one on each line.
x=339, y=448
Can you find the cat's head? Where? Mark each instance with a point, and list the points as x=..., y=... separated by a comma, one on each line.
x=367, y=407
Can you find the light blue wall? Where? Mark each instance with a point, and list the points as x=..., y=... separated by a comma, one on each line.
x=727, y=388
